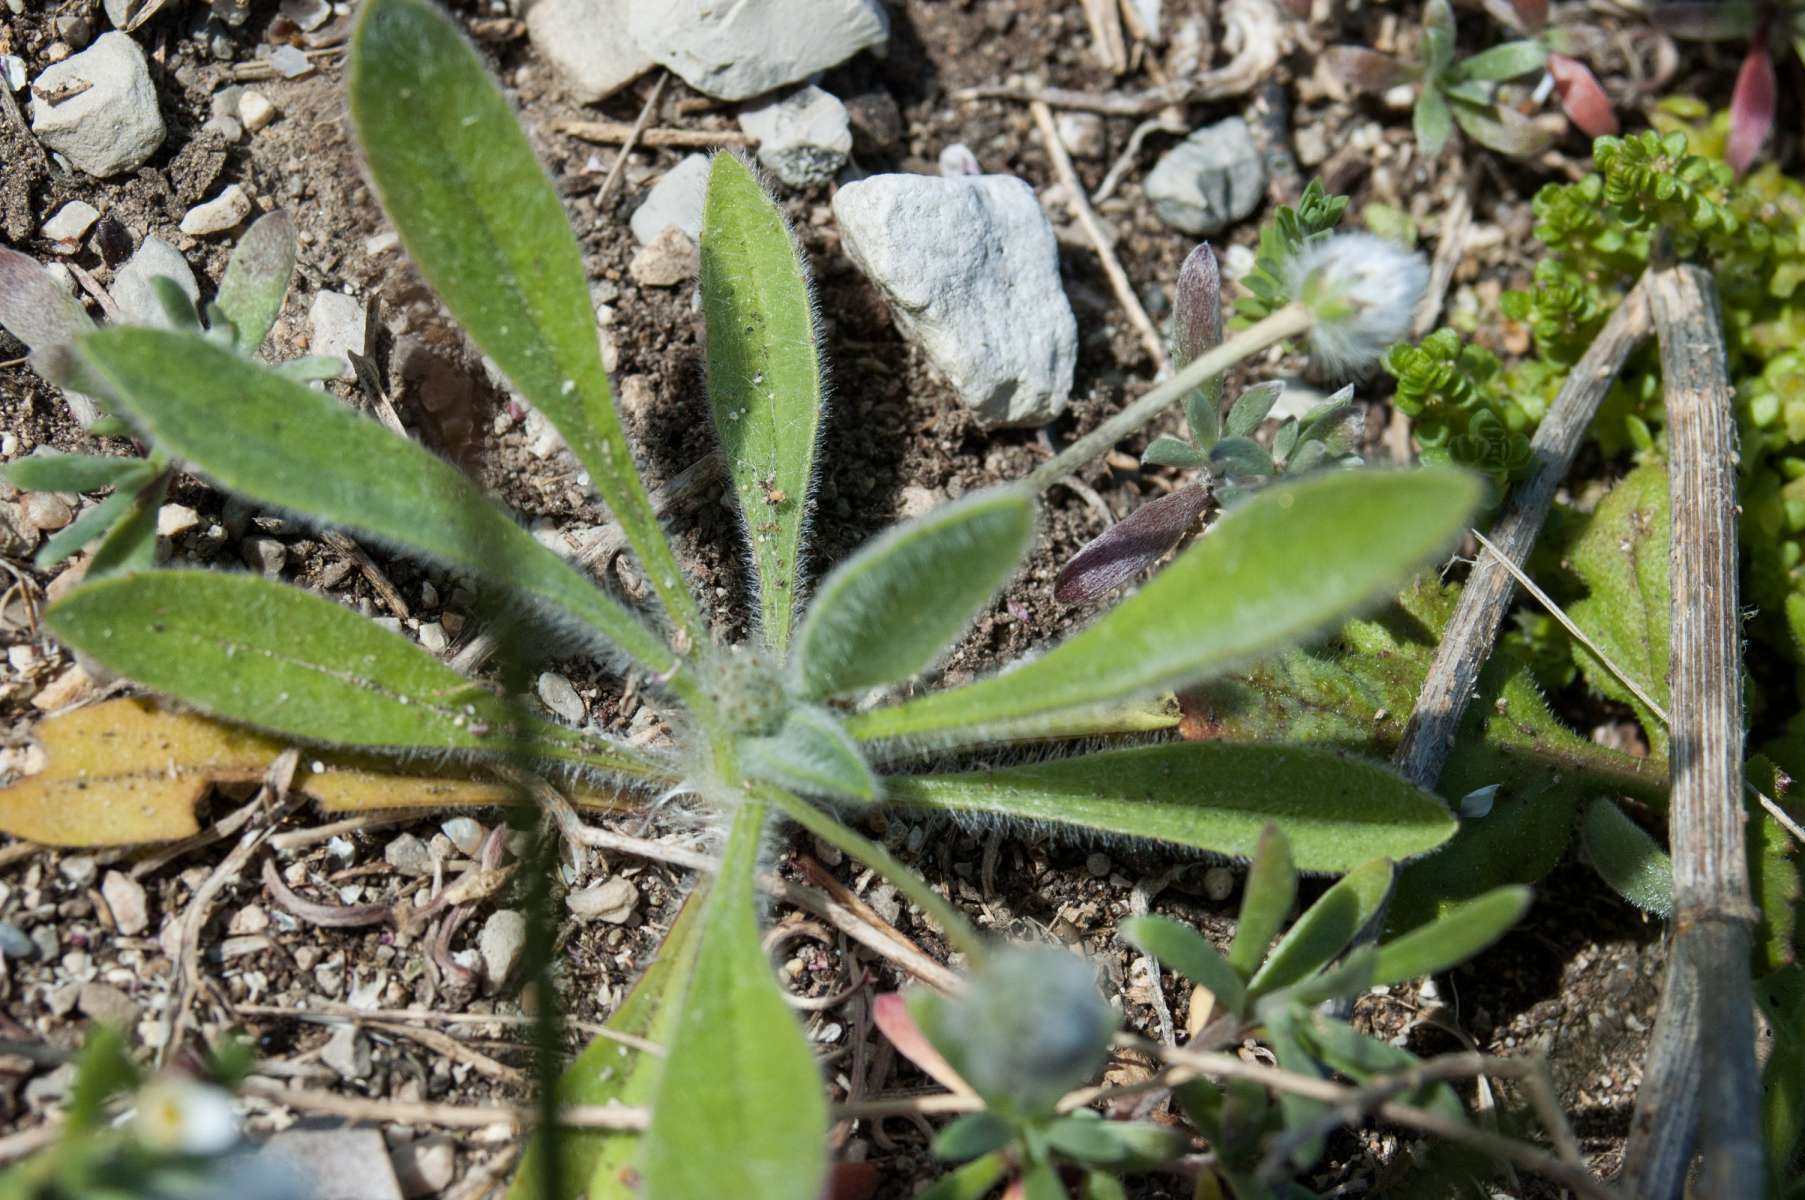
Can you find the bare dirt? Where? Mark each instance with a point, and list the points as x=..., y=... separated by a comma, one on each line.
x=1578, y=981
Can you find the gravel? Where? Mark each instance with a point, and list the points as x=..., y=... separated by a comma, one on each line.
x=971, y=271
x=612, y=901
x=126, y=901
x=112, y=126
x=804, y=138
x=557, y=694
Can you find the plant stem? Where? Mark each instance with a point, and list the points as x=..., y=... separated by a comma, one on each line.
x=960, y=932
x=1690, y=1097
x=1289, y=321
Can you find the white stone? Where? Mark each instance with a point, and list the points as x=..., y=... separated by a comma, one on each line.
x=466, y=833
x=433, y=638
x=290, y=62
x=408, y=855
x=612, y=901
x=336, y=326
x=13, y=68
x=971, y=271
x=132, y=288
x=424, y=1166
x=556, y=694
x=265, y=554
x=803, y=139
x=70, y=225
x=1082, y=133
x=501, y=943
x=735, y=50
x=588, y=44
x=670, y=259
x=255, y=110
x=125, y=900
x=957, y=160
x=175, y=519
x=1209, y=181
x=676, y=199
x=347, y=1052
x=111, y=127
x=225, y=211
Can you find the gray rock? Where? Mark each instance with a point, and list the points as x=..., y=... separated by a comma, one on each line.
x=466, y=833
x=225, y=211
x=957, y=161
x=676, y=200
x=336, y=324
x=107, y=1004
x=424, y=1166
x=125, y=899
x=1210, y=180
x=733, y=51
x=12, y=69
x=15, y=942
x=121, y=12
x=670, y=259
x=347, y=1052
x=556, y=694
x=803, y=139
x=408, y=855
x=501, y=943
x=46, y=512
x=228, y=128
x=79, y=869
x=971, y=271
x=1082, y=133
x=433, y=638
x=111, y=127
x=18, y=537
x=335, y=1164
x=587, y=42
x=71, y=224
x=132, y=287
x=266, y=555
x=612, y=901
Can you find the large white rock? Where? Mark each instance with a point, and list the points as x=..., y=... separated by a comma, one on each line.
x=113, y=125
x=1209, y=181
x=588, y=44
x=971, y=271
x=803, y=138
x=733, y=49
x=132, y=288
x=676, y=199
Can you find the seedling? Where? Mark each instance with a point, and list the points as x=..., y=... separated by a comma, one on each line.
x=809, y=721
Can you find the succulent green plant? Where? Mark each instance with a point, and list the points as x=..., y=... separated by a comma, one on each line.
x=785, y=727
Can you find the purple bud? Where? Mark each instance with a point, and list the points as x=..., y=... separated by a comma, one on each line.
x=1197, y=312
x=1130, y=546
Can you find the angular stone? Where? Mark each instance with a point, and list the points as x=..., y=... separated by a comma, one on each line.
x=107, y=122
x=971, y=271
x=612, y=901
x=225, y=211
x=670, y=259
x=1209, y=181
x=803, y=138
x=735, y=50
x=337, y=324
x=70, y=225
x=676, y=199
x=588, y=44
x=126, y=900
x=132, y=287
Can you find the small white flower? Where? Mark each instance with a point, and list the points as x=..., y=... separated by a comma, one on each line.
x=182, y=1116
x=1363, y=291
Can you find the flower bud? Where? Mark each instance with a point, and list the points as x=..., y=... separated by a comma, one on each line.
x=1362, y=291
x=182, y=1116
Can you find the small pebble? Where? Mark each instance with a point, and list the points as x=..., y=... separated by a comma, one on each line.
x=828, y=853
x=175, y=519
x=556, y=693
x=1218, y=883
x=501, y=944
x=15, y=942
x=1082, y=133
x=125, y=898
x=466, y=833
x=290, y=63
x=46, y=511
x=107, y=1004
x=347, y=1052
x=79, y=869
x=225, y=211
x=255, y=110
x=70, y=225
x=433, y=638
x=408, y=855
x=424, y=1166
x=1097, y=865
x=612, y=901
x=265, y=554
x=670, y=259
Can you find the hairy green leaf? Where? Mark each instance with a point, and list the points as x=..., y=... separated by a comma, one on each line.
x=72, y=472
x=482, y=223
x=740, y=1110
x=1500, y=129
x=764, y=378
x=131, y=544
x=1326, y=927
x=84, y=529
x=1266, y=903
x=811, y=754
x=1337, y=811
x=596, y=1163
x=971, y=1135
x=256, y=279
x=887, y=611
x=1274, y=570
x=1629, y=860
x=292, y=446
x=1621, y=557
x=1168, y=451
x=1252, y=406
x=274, y=657
x=1122, y=1145
x=1432, y=122
x=1190, y=954
x=1452, y=938
x=1506, y=61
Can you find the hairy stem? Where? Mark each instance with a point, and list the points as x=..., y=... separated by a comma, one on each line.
x=960, y=932
x=1289, y=321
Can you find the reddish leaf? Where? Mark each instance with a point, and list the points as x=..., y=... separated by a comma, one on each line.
x=850, y=1181
x=1197, y=306
x=1751, y=108
x=1582, y=96
x=1130, y=546
x=1362, y=69
x=891, y=1015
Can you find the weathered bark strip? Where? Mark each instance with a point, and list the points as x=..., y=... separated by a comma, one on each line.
x=1689, y=1096
x=1467, y=641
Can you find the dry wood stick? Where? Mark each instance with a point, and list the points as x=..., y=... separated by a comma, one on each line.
x=1690, y=1097
x=615, y=133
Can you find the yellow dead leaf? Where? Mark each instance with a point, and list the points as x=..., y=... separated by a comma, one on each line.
x=128, y=771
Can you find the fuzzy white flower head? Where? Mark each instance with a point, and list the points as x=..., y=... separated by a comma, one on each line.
x=1362, y=291
x=182, y=1116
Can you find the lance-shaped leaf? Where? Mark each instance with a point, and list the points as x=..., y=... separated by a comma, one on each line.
x=131, y=544
x=598, y=1163
x=1251, y=407
x=1583, y=98
x=1196, y=328
x=1629, y=860
x=811, y=754
x=1168, y=451
x=256, y=279
x=764, y=378
x=740, y=1110
x=1751, y=108
x=292, y=446
x=274, y=657
x=1452, y=938
x=37, y=310
x=481, y=221
x=1501, y=129
x=1190, y=954
x=1337, y=811
x=1273, y=571
x=1271, y=890
x=1130, y=546
x=1505, y=61
x=71, y=472
x=1431, y=121
x=1326, y=927
x=886, y=612
x=1237, y=458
